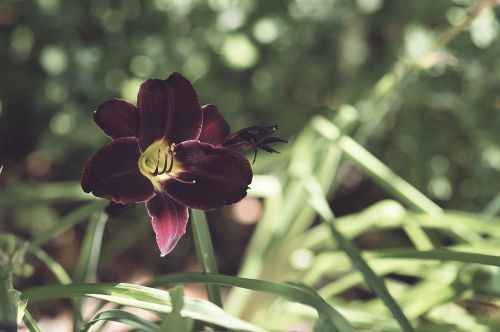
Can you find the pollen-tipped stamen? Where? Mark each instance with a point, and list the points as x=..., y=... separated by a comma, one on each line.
x=184, y=181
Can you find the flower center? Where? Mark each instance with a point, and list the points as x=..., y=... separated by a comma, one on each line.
x=158, y=164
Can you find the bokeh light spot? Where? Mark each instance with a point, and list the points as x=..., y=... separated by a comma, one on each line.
x=48, y=6
x=262, y=79
x=62, y=123
x=175, y=7
x=231, y=19
x=196, y=65
x=440, y=188
x=418, y=41
x=266, y=30
x=53, y=60
x=142, y=66
x=369, y=6
x=455, y=15
x=21, y=43
x=219, y=5
x=239, y=52
x=484, y=29
x=130, y=87
x=491, y=156
x=247, y=211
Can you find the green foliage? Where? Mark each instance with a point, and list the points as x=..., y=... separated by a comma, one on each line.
x=174, y=321
x=392, y=109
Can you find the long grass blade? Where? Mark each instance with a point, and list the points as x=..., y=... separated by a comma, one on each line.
x=123, y=317
x=319, y=202
x=439, y=255
x=291, y=292
x=30, y=322
x=374, y=168
x=205, y=252
x=145, y=298
x=71, y=219
x=89, y=257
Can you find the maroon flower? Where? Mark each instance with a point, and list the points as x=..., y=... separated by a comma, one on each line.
x=169, y=153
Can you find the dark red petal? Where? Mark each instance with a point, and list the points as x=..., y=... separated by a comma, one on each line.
x=168, y=109
x=222, y=177
x=215, y=128
x=117, y=118
x=112, y=173
x=169, y=220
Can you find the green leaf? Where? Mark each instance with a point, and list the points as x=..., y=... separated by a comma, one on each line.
x=142, y=297
x=9, y=297
x=123, y=317
x=71, y=219
x=57, y=269
x=291, y=292
x=205, y=252
x=319, y=202
x=89, y=258
x=30, y=322
x=174, y=321
x=91, y=248
x=375, y=169
x=440, y=255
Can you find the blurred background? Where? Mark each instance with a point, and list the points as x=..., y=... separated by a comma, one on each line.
x=260, y=62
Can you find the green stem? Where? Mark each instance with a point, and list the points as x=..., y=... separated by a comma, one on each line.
x=9, y=299
x=205, y=252
x=30, y=322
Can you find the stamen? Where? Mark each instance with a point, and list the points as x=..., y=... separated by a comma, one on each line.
x=184, y=181
x=168, y=165
x=155, y=173
x=171, y=161
x=165, y=164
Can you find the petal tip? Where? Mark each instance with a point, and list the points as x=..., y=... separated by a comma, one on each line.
x=169, y=221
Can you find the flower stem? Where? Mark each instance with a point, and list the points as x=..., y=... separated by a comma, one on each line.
x=205, y=252
x=8, y=301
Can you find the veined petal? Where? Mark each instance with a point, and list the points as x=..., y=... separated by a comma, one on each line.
x=220, y=176
x=112, y=173
x=215, y=128
x=169, y=220
x=168, y=109
x=117, y=118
